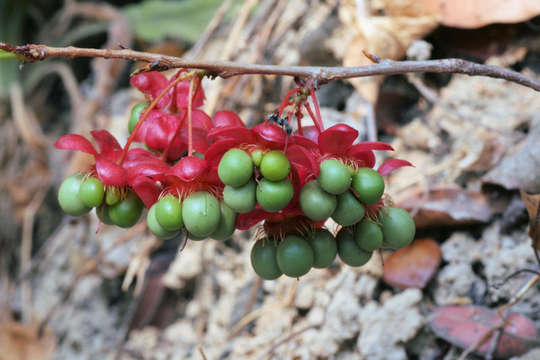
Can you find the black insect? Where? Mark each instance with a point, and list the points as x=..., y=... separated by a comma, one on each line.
x=281, y=122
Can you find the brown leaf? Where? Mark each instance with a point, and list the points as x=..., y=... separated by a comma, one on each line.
x=532, y=203
x=447, y=206
x=414, y=265
x=464, y=326
x=473, y=14
x=21, y=342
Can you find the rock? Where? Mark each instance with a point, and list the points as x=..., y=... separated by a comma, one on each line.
x=400, y=313
x=455, y=282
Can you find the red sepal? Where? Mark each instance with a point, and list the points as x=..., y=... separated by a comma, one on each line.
x=147, y=190
x=189, y=168
x=182, y=93
x=75, y=142
x=227, y=118
x=270, y=135
x=337, y=139
x=392, y=164
x=151, y=84
x=108, y=145
x=109, y=172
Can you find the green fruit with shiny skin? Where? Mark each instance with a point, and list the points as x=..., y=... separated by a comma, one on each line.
x=135, y=115
x=349, y=251
x=294, y=256
x=112, y=196
x=397, y=227
x=156, y=228
x=92, y=192
x=324, y=248
x=275, y=166
x=201, y=213
x=68, y=196
x=368, y=235
x=257, y=156
x=241, y=199
x=334, y=177
x=227, y=223
x=102, y=213
x=274, y=195
x=127, y=211
x=316, y=203
x=368, y=184
x=169, y=213
x=235, y=168
x=264, y=259
x=197, y=238
x=349, y=210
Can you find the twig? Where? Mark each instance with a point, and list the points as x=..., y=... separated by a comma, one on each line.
x=201, y=351
x=226, y=69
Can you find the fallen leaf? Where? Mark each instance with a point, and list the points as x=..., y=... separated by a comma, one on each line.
x=532, y=203
x=21, y=342
x=463, y=326
x=519, y=169
x=446, y=206
x=473, y=14
x=414, y=265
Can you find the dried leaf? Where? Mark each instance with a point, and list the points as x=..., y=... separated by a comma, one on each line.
x=532, y=203
x=414, y=265
x=447, y=206
x=519, y=169
x=464, y=326
x=22, y=342
x=473, y=14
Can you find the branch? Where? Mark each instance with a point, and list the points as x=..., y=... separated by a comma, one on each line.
x=226, y=69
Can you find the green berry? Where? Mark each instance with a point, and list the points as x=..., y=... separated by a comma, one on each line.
x=324, y=248
x=274, y=195
x=127, y=211
x=227, y=223
x=135, y=115
x=257, y=156
x=349, y=251
x=368, y=235
x=397, y=227
x=368, y=184
x=169, y=213
x=156, y=228
x=275, y=166
x=264, y=259
x=68, y=196
x=316, y=203
x=92, y=192
x=201, y=213
x=334, y=177
x=241, y=199
x=112, y=196
x=349, y=210
x=294, y=256
x=102, y=213
x=235, y=168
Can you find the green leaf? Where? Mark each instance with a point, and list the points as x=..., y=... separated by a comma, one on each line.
x=154, y=20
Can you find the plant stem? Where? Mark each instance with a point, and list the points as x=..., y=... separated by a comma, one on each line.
x=226, y=69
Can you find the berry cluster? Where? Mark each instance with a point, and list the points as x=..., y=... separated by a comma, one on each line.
x=207, y=177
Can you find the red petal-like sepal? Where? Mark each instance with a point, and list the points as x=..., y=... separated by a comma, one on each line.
x=189, y=168
x=337, y=139
x=299, y=156
x=75, y=142
x=227, y=118
x=238, y=133
x=270, y=135
x=364, y=158
x=152, y=84
x=215, y=152
x=369, y=146
x=147, y=190
x=250, y=219
x=108, y=146
x=109, y=172
x=182, y=93
x=392, y=164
